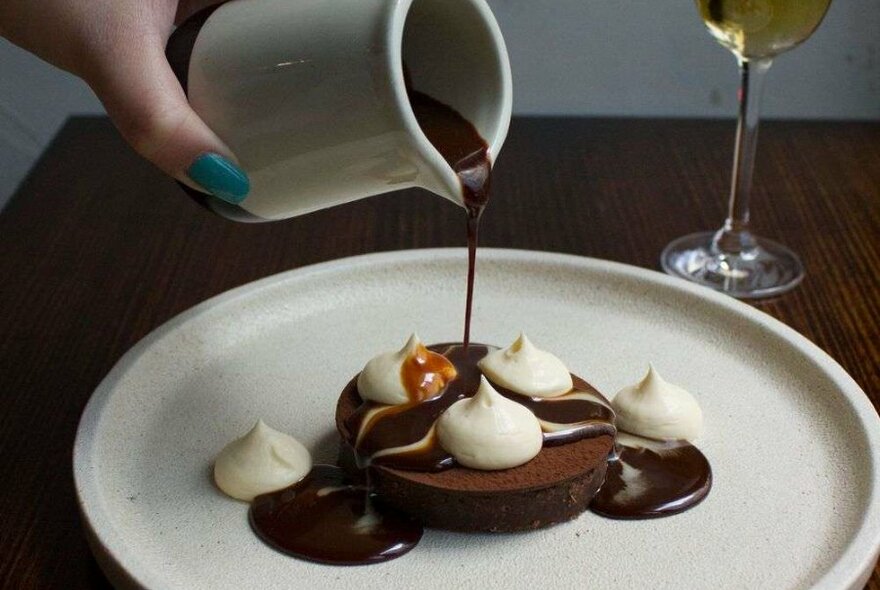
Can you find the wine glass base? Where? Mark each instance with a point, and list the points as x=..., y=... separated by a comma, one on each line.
x=763, y=271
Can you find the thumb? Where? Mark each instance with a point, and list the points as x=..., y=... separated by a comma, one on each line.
x=148, y=106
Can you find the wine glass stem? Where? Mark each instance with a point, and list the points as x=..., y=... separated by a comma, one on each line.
x=735, y=238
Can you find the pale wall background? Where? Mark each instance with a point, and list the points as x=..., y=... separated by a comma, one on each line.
x=574, y=57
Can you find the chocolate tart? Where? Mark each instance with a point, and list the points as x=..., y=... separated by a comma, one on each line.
x=556, y=486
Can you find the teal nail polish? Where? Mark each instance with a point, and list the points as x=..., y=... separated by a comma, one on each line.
x=220, y=177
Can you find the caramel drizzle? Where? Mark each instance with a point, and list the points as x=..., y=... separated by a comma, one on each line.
x=404, y=437
x=425, y=374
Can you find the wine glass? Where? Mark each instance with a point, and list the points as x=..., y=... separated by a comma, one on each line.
x=733, y=260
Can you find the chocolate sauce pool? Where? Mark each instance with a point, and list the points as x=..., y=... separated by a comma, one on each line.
x=329, y=518
x=650, y=479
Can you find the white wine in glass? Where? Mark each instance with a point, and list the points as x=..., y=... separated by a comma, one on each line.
x=733, y=260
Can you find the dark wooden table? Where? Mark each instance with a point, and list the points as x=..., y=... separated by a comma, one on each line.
x=98, y=248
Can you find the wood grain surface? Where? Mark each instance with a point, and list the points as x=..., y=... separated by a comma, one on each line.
x=98, y=248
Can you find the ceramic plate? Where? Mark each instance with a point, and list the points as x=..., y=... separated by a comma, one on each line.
x=792, y=439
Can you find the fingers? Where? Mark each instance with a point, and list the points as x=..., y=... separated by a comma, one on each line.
x=148, y=105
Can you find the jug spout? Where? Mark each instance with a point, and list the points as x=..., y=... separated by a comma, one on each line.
x=312, y=97
x=454, y=52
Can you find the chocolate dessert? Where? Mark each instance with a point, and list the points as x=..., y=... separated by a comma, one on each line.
x=556, y=485
x=468, y=438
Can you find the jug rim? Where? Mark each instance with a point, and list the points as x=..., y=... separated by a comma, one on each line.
x=420, y=141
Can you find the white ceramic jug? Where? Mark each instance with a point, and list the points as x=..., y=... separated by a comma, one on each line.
x=310, y=94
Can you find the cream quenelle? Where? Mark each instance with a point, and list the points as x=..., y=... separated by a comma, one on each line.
x=489, y=431
x=262, y=461
x=408, y=375
x=380, y=380
x=656, y=409
x=525, y=369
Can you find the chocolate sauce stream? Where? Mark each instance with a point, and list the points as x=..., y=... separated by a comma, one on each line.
x=473, y=230
x=461, y=145
x=327, y=518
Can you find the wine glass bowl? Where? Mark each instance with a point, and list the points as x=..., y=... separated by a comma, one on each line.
x=732, y=259
x=755, y=29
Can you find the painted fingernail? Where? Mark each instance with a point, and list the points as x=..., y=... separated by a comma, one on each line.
x=220, y=177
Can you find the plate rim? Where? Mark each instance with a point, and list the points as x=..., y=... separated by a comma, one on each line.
x=850, y=571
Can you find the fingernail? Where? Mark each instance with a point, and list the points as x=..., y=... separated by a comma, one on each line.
x=220, y=177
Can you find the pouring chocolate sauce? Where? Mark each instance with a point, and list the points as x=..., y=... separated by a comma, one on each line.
x=461, y=145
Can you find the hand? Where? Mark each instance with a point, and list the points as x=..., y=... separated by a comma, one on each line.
x=118, y=48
